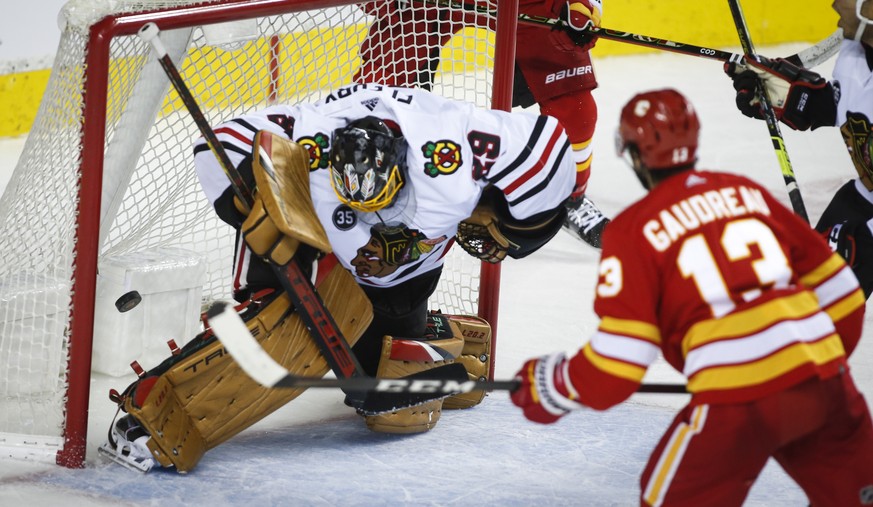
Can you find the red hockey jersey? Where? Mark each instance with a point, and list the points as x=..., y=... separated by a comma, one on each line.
x=736, y=291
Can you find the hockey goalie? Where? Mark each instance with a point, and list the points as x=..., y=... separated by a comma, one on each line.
x=365, y=191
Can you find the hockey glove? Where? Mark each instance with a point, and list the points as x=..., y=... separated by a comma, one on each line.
x=842, y=241
x=577, y=16
x=800, y=98
x=264, y=238
x=491, y=232
x=546, y=393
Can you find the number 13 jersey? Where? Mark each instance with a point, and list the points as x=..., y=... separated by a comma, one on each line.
x=737, y=292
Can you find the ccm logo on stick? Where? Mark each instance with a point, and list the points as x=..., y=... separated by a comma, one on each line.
x=424, y=386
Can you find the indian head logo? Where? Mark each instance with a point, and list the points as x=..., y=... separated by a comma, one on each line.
x=390, y=247
x=444, y=157
x=317, y=148
x=858, y=135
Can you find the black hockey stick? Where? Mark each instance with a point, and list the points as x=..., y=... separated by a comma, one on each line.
x=254, y=360
x=769, y=115
x=809, y=57
x=309, y=306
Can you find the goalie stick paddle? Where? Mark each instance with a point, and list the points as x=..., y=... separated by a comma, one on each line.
x=383, y=395
x=809, y=57
x=769, y=115
x=310, y=307
x=439, y=382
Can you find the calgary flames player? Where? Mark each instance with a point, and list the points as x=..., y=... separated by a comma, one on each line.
x=741, y=296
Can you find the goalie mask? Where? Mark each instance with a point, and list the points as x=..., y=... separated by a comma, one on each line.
x=368, y=164
x=663, y=127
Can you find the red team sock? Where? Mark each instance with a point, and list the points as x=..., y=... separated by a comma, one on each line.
x=577, y=112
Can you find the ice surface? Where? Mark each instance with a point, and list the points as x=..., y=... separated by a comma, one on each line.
x=315, y=451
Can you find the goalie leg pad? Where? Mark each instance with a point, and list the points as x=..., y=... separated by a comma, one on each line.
x=204, y=399
x=476, y=358
x=404, y=356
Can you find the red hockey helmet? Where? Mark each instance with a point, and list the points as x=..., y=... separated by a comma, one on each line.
x=663, y=126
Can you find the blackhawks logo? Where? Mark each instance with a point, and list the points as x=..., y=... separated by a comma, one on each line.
x=391, y=246
x=444, y=157
x=858, y=135
x=317, y=148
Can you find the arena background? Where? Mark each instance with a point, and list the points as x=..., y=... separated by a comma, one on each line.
x=26, y=53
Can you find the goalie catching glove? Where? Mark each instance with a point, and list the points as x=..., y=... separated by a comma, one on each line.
x=800, y=98
x=545, y=393
x=491, y=232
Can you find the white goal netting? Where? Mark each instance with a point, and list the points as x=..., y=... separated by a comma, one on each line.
x=104, y=198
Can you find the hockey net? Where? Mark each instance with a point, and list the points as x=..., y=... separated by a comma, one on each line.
x=105, y=180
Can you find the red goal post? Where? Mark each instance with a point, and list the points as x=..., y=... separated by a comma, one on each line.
x=104, y=195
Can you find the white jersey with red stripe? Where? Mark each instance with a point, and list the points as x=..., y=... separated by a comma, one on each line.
x=853, y=76
x=454, y=151
x=855, y=79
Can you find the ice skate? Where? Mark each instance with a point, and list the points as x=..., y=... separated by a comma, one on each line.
x=127, y=445
x=584, y=220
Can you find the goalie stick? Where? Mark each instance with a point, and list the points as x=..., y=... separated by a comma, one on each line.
x=809, y=57
x=309, y=306
x=769, y=115
x=254, y=360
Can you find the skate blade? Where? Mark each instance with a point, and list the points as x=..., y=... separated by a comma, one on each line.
x=579, y=238
x=107, y=451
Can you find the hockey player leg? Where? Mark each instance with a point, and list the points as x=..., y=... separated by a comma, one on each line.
x=585, y=220
x=476, y=357
x=404, y=356
x=165, y=402
x=199, y=398
x=577, y=112
x=128, y=445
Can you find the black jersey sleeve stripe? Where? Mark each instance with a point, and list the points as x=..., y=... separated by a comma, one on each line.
x=200, y=147
x=526, y=152
x=543, y=184
x=245, y=124
x=203, y=146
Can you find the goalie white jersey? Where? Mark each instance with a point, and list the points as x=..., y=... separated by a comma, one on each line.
x=454, y=151
x=855, y=79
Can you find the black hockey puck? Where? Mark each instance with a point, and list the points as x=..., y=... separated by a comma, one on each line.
x=128, y=301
